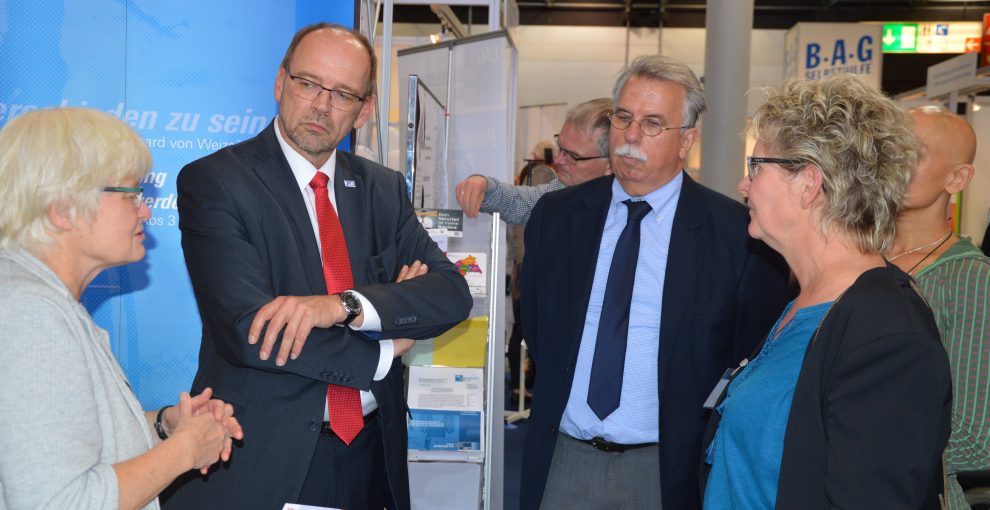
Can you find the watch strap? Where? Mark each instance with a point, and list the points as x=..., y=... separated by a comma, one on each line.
x=159, y=426
x=352, y=312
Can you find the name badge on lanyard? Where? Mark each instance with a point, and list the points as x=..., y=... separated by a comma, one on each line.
x=718, y=392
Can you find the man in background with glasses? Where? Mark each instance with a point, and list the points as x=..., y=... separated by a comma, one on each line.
x=582, y=155
x=638, y=292
x=293, y=249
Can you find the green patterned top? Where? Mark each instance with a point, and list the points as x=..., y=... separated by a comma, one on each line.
x=957, y=286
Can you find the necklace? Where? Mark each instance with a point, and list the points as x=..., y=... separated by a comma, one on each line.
x=939, y=242
x=929, y=254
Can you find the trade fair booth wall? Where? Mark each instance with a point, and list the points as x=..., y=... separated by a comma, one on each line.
x=190, y=77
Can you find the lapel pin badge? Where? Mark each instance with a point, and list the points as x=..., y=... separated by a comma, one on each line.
x=349, y=184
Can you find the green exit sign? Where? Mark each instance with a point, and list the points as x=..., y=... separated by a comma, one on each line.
x=900, y=37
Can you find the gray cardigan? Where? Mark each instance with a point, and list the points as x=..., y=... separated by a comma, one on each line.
x=67, y=413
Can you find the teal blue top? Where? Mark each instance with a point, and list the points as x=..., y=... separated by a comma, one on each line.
x=746, y=451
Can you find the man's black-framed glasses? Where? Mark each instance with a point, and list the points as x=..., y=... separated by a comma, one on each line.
x=753, y=164
x=573, y=156
x=310, y=91
x=137, y=193
x=649, y=126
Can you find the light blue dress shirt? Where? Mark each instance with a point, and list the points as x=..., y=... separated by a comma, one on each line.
x=637, y=418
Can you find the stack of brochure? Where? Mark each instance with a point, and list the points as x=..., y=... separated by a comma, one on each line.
x=446, y=405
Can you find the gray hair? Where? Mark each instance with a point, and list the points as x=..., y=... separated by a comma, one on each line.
x=661, y=68
x=61, y=156
x=591, y=117
x=859, y=139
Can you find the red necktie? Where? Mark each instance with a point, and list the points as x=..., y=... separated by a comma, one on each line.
x=343, y=402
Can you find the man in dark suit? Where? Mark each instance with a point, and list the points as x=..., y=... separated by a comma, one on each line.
x=292, y=248
x=639, y=291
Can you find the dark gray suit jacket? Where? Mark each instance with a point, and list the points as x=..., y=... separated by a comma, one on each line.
x=722, y=292
x=247, y=238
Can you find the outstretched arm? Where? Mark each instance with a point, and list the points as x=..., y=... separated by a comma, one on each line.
x=514, y=203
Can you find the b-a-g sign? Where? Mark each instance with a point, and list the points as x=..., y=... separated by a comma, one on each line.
x=817, y=50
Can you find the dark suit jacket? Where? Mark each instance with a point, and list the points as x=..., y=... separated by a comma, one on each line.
x=722, y=292
x=247, y=238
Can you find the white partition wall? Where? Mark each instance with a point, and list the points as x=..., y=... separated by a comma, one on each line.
x=536, y=123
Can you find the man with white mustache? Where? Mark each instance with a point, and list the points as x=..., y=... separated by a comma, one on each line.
x=639, y=291
x=630, y=151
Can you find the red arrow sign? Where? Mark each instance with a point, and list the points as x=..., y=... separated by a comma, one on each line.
x=985, y=57
x=973, y=44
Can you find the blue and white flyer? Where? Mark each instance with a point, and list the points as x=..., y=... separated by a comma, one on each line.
x=447, y=417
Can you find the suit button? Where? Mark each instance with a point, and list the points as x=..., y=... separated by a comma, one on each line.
x=406, y=319
x=314, y=425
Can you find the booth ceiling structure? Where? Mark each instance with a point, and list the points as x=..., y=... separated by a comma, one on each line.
x=780, y=14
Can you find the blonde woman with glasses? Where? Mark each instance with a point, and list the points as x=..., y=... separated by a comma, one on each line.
x=846, y=403
x=72, y=433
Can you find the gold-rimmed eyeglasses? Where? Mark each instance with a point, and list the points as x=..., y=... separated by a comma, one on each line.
x=650, y=126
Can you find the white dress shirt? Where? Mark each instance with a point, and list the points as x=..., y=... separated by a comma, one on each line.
x=304, y=171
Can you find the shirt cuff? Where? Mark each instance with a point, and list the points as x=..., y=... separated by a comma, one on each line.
x=372, y=321
x=491, y=191
x=384, y=359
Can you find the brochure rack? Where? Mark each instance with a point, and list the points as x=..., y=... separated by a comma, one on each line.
x=459, y=120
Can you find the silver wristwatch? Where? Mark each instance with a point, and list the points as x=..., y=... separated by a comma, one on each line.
x=352, y=306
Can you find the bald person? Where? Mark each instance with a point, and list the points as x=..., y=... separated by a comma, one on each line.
x=954, y=276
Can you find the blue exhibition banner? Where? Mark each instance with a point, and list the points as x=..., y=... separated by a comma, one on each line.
x=190, y=77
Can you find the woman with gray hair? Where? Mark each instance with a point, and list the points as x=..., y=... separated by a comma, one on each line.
x=72, y=433
x=846, y=403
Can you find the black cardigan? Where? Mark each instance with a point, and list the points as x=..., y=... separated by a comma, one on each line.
x=871, y=409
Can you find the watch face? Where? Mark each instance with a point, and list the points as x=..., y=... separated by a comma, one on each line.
x=351, y=303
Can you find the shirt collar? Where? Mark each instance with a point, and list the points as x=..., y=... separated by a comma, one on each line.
x=657, y=198
x=302, y=169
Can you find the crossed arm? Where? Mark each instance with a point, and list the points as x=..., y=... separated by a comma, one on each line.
x=237, y=252
x=296, y=316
